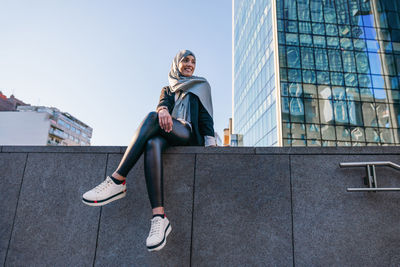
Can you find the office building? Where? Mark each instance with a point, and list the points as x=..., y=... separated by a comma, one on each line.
x=36, y=125
x=316, y=72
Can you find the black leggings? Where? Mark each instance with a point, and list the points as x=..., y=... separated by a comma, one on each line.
x=153, y=140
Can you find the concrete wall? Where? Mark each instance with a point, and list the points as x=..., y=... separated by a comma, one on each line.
x=227, y=207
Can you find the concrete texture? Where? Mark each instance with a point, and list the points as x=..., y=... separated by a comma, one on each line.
x=124, y=226
x=11, y=172
x=52, y=227
x=333, y=227
x=242, y=213
x=227, y=206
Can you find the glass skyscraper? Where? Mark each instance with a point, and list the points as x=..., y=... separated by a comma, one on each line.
x=316, y=72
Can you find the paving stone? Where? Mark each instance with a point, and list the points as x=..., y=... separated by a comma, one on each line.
x=333, y=227
x=125, y=223
x=242, y=214
x=53, y=227
x=11, y=172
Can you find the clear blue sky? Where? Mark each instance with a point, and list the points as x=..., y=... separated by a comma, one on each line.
x=105, y=62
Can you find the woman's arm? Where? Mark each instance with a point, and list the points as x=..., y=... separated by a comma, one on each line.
x=164, y=107
x=166, y=99
x=206, y=126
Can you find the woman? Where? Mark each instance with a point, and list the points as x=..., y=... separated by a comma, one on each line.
x=183, y=117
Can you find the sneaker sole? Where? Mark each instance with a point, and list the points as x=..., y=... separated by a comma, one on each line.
x=162, y=244
x=96, y=204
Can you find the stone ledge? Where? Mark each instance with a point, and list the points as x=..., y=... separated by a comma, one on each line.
x=371, y=150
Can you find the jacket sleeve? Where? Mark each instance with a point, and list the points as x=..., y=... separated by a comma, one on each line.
x=206, y=122
x=166, y=99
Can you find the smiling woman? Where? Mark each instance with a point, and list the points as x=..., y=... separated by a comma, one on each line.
x=183, y=117
x=187, y=66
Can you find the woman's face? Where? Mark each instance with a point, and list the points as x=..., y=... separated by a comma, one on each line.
x=187, y=65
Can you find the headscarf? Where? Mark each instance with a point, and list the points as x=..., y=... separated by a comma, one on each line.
x=181, y=85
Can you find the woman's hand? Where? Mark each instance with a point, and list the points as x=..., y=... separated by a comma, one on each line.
x=165, y=120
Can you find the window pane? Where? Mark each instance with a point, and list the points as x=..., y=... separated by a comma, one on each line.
x=337, y=78
x=352, y=93
x=342, y=133
x=362, y=62
x=350, y=79
x=326, y=112
x=303, y=10
x=294, y=75
x=372, y=135
x=307, y=58
x=298, y=131
x=309, y=76
x=338, y=93
x=357, y=135
x=318, y=28
x=382, y=112
x=305, y=40
x=323, y=77
x=293, y=57
x=319, y=41
x=292, y=39
x=369, y=114
x=313, y=131
x=328, y=132
x=355, y=115
x=311, y=110
x=316, y=10
x=321, y=59
x=324, y=92
x=295, y=89
x=386, y=136
x=290, y=9
x=340, y=111
x=310, y=90
x=348, y=61
x=335, y=63
x=331, y=30
x=296, y=110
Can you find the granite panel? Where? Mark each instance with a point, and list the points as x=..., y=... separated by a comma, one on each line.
x=53, y=227
x=125, y=223
x=333, y=227
x=11, y=172
x=242, y=214
x=62, y=149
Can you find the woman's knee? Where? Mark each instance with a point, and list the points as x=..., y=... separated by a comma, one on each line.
x=151, y=118
x=153, y=143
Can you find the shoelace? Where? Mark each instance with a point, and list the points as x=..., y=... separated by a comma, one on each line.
x=155, y=226
x=103, y=185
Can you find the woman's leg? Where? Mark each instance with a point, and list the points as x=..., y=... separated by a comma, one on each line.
x=160, y=225
x=153, y=168
x=153, y=171
x=147, y=129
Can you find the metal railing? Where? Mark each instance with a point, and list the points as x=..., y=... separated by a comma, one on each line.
x=371, y=179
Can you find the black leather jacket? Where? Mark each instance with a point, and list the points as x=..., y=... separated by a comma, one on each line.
x=202, y=122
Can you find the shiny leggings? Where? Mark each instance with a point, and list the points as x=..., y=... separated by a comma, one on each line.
x=152, y=140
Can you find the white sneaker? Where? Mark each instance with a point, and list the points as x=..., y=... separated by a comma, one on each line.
x=160, y=229
x=104, y=193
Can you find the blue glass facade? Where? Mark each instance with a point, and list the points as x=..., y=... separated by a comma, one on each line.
x=339, y=72
x=254, y=93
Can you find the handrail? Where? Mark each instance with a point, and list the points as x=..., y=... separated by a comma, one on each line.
x=371, y=179
x=365, y=164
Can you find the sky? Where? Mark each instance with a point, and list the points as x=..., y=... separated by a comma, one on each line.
x=105, y=61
